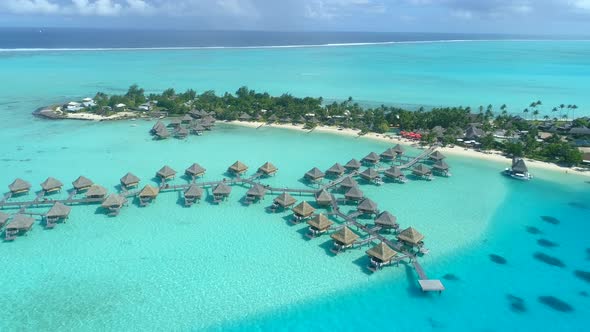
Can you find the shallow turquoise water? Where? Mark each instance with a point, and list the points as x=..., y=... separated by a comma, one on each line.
x=236, y=267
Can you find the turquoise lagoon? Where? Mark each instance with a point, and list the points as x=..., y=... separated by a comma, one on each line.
x=232, y=267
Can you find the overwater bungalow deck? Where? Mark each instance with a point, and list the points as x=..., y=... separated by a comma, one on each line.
x=19, y=187
x=302, y=211
x=343, y=239
x=129, y=181
x=238, y=168
x=380, y=256
x=353, y=165
x=221, y=192
x=20, y=224
x=323, y=198
x=51, y=185
x=192, y=194
x=336, y=170
x=166, y=173
x=268, y=169
x=255, y=193
x=318, y=225
x=314, y=175
x=82, y=183
x=194, y=171
x=147, y=195
x=58, y=212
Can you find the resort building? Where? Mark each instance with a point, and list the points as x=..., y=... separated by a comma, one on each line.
x=386, y=221
x=192, y=194
x=388, y=154
x=20, y=224
x=423, y=172
x=367, y=206
x=347, y=183
x=147, y=195
x=58, y=212
x=411, y=237
x=268, y=169
x=113, y=203
x=354, y=194
x=166, y=173
x=399, y=150
x=19, y=187
x=82, y=183
x=283, y=201
x=181, y=132
x=441, y=167
x=129, y=180
x=371, y=175
x=353, y=165
x=302, y=211
x=162, y=133
x=51, y=185
x=255, y=193
x=318, y=225
x=436, y=156
x=371, y=159
x=395, y=173
x=314, y=175
x=323, y=198
x=380, y=255
x=336, y=170
x=221, y=192
x=96, y=191
x=238, y=168
x=195, y=170
x=343, y=239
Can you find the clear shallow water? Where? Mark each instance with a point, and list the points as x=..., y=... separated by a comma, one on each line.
x=236, y=267
x=431, y=74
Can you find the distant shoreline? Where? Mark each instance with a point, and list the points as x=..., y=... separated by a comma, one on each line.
x=456, y=151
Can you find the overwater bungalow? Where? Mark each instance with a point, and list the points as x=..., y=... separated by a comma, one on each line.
x=186, y=119
x=244, y=117
x=268, y=169
x=162, y=133
x=386, y=221
x=399, y=150
x=343, y=239
x=283, y=201
x=147, y=195
x=353, y=165
x=519, y=170
x=113, y=203
x=347, y=183
x=441, y=167
x=51, y=185
x=371, y=175
x=96, y=191
x=354, y=194
x=19, y=225
x=380, y=255
x=174, y=123
x=323, y=198
x=302, y=211
x=436, y=156
x=197, y=129
x=181, y=132
x=422, y=172
x=367, y=206
x=129, y=180
x=166, y=173
x=255, y=193
x=336, y=170
x=19, y=187
x=371, y=159
x=192, y=194
x=411, y=237
x=82, y=183
x=195, y=170
x=157, y=127
x=3, y=219
x=396, y=174
x=318, y=225
x=388, y=154
x=314, y=175
x=57, y=212
x=238, y=168
x=221, y=192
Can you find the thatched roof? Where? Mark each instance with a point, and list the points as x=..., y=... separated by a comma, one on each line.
x=174, y=122
x=519, y=166
x=393, y=172
x=272, y=118
x=386, y=219
x=473, y=132
x=166, y=172
x=410, y=235
x=353, y=164
x=113, y=200
x=323, y=197
x=421, y=170
x=238, y=167
x=3, y=218
x=336, y=169
x=96, y=191
x=187, y=118
x=245, y=116
x=369, y=174
x=388, y=154
x=268, y=168
x=441, y=165
x=58, y=210
x=182, y=132
x=354, y=193
x=345, y=236
x=257, y=190
x=51, y=183
x=382, y=252
x=20, y=221
x=303, y=209
x=193, y=191
x=222, y=189
x=348, y=182
x=19, y=185
x=372, y=158
x=314, y=174
x=399, y=149
x=82, y=182
x=367, y=205
x=162, y=132
x=436, y=155
x=285, y=200
x=300, y=119
x=129, y=179
x=320, y=222
x=195, y=170
x=159, y=125
x=149, y=191
x=197, y=127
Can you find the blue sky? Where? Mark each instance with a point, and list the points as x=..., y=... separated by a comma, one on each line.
x=493, y=16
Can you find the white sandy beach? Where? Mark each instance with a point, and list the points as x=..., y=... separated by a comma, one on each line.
x=96, y=117
x=494, y=156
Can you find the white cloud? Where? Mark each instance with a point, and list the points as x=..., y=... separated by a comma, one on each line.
x=78, y=7
x=328, y=9
x=580, y=4
x=31, y=6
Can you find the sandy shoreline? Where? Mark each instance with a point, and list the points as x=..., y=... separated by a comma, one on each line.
x=457, y=151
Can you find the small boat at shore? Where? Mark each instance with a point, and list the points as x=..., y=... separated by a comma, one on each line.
x=519, y=170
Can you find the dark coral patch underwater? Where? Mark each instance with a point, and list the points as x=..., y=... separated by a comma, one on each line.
x=498, y=259
x=556, y=304
x=553, y=261
x=551, y=220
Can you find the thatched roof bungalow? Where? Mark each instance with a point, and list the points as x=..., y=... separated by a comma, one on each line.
x=436, y=156
x=411, y=237
x=129, y=180
x=285, y=200
x=348, y=182
x=268, y=169
x=19, y=186
x=323, y=198
x=303, y=210
x=51, y=185
x=354, y=194
x=257, y=191
x=353, y=165
x=422, y=171
x=238, y=168
x=367, y=206
x=82, y=183
x=96, y=191
x=394, y=173
x=388, y=154
x=319, y=224
x=314, y=175
x=369, y=174
x=344, y=238
x=380, y=255
x=336, y=170
x=18, y=225
x=371, y=159
x=195, y=170
x=166, y=173
x=386, y=220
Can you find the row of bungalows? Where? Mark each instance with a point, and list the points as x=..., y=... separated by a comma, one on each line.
x=440, y=167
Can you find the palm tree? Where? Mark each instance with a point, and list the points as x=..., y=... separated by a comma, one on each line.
x=546, y=117
x=574, y=108
x=525, y=111
x=564, y=117
x=535, y=113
